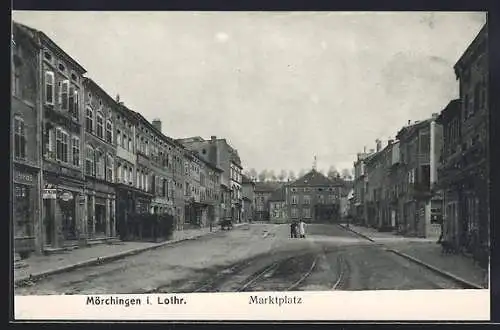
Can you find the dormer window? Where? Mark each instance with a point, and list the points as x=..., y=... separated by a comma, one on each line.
x=74, y=77
x=61, y=67
x=47, y=56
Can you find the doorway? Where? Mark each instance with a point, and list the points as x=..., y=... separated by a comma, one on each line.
x=100, y=220
x=48, y=221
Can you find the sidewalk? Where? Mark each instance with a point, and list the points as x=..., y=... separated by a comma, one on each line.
x=427, y=253
x=43, y=265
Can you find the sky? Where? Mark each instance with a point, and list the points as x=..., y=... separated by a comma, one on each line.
x=281, y=87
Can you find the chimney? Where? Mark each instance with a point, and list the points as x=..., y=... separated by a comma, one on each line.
x=390, y=141
x=435, y=115
x=379, y=144
x=409, y=122
x=372, y=151
x=117, y=98
x=364, y=149
x=157, y=124
x=213, y=138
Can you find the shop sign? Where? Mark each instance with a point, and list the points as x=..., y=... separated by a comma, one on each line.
x=23, y=177
x=49, y=193
x=66, y=196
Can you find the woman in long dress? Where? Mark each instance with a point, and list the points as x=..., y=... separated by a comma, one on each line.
x=302, y=229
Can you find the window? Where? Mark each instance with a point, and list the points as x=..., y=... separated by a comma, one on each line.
x=64, y=97
x=109, y=168
x=49, y=87
x=138, y=179
x=294, y=212
x=130, y=175
x=124, y=141
x=99, y=164
x=100, y=125
x=89, y=122
x=294, y=199
x=19, y=138
x=73, y=101
x=119, y=173
x=118, y=138
x=307, y=199
x=306, y=212
x=331, y=198
x=89, y=161
x=61, y=145
x=130, y=144
x=109, y=131
x=75, y=145
x=16, y=87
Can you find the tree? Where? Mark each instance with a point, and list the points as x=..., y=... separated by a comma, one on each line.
x=332, y=172
x=282, y=175
x=271, y=175
x=346, y=174
x=253, y=174
x=291, y=175
x=262, y=175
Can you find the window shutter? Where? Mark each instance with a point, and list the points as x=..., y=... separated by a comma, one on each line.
x=59, y=96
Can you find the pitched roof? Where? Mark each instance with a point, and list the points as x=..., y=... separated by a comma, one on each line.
x=278, y=195
x=267, y=186
x=313, y=178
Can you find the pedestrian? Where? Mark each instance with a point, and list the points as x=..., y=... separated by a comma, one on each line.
x=302, y=229
x=293, y=230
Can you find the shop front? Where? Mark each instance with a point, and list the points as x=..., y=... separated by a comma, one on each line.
x=25, y=210
x=129, y=202
x=100, y=210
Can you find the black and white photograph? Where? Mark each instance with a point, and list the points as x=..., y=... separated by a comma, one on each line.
x=179, y=152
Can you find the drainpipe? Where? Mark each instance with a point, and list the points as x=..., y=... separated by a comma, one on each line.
x=39, y=107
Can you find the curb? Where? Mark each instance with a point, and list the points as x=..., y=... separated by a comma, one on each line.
x=23, y=281
x=461, y=281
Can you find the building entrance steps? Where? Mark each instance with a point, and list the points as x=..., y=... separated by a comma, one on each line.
x=38, y=266
x=427, y=252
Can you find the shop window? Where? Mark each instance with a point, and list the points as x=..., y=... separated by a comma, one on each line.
x=19, y=138
x=22, y=211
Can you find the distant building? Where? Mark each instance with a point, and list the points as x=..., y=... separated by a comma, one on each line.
x=248, y=189
x=277, y=206
x=314, y=198
x=263, y=191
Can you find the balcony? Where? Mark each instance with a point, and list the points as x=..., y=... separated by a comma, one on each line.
x=143, y=160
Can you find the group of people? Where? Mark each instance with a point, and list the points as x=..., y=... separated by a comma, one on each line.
x=298, y=229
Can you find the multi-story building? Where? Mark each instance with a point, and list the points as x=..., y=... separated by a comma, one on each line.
x=277, y=206
x=375, y=174
x=154, y=175
x=248, y=198
x=420, y=150
x=262, y=193
x=314, y=198
x=467, y=195
x=195, y=211
x=25, y=146
x=448, y=170
x=99, y=169
x=236, y=188
x=131, y=185
x=359, y=187
x=209, y=191
x=220, y=153
x=63, y=137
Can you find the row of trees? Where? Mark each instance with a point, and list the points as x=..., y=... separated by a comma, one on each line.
x=284, y=175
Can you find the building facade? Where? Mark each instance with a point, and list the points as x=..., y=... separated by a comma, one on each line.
x=314, y=198
x=63, y=138
x=360, y=187
x=277, y=206
x=248, y=199
x=420, y=150
x=99, y=168
x=466, y=201
x=25, y=156
x=262, y=193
